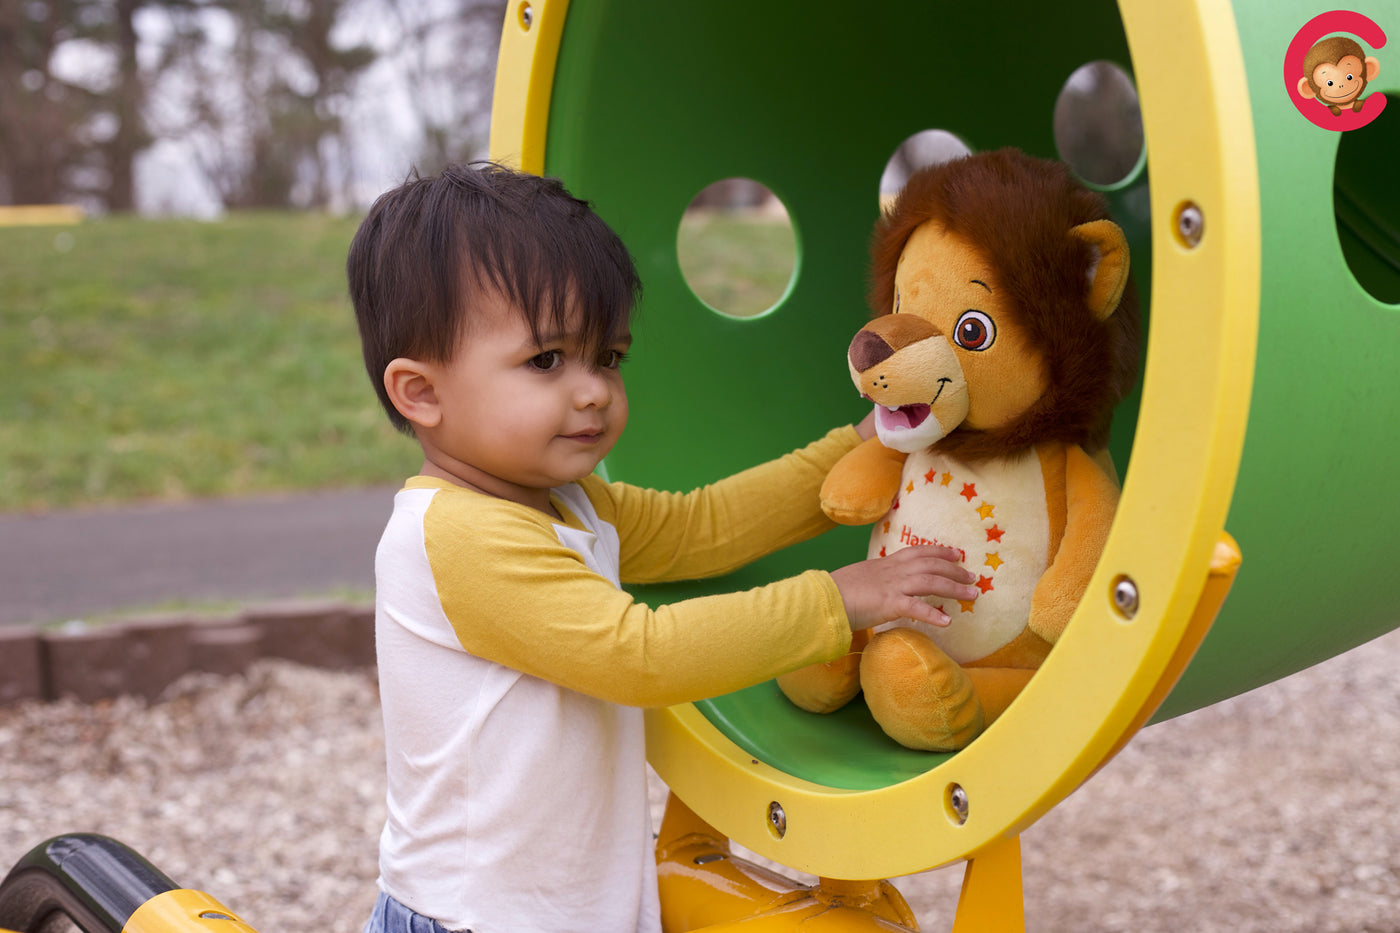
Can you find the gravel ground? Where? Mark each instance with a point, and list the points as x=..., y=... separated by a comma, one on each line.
x=1275, y=811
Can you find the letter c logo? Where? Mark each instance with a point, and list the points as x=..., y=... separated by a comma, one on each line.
x=1315, y=29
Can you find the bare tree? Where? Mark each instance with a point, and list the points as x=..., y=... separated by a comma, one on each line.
x=447, y=57
x=65, y=134
x=128, y=97
x=256, y=89
x=261, y=92
x=312, y=120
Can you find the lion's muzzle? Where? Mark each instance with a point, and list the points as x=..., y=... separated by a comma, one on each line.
x=908, y=368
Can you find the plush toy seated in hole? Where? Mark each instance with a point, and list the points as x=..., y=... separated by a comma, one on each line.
x=1006, y=332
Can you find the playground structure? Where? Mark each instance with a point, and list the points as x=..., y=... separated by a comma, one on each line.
x=1255, y=457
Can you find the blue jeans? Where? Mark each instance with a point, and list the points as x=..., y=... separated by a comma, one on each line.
x=392, y=917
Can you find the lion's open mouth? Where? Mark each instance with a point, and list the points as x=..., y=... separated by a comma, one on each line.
x=902, y=418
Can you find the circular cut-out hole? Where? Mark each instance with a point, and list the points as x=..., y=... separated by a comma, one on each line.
x=924, y=148
x=1098, y=125
x=1367, y=205
x=525, y=14
x=737, y=248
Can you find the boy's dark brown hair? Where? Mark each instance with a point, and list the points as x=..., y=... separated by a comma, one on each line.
x=429, y=247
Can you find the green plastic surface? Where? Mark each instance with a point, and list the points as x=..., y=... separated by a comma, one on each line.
x=1316, y=501
x=654, y=101
x=851, y=750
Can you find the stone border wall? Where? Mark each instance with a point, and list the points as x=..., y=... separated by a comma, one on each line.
x=144, y=656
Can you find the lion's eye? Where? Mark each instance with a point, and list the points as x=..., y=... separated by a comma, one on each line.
x=974, y=331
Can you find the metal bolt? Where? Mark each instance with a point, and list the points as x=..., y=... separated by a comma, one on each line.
x=214, y=915
x=957, y=802
x=709, y=857
x=1190, y=224
x=777, y=819
x=1125, y=597
x=527, y=15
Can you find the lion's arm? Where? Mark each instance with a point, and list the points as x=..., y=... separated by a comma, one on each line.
x=860, y=488
x=1091, y=498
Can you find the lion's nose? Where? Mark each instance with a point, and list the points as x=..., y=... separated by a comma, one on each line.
x=867, y=349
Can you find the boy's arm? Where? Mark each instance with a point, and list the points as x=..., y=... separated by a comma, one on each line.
x=726, y=525
x=514, y=595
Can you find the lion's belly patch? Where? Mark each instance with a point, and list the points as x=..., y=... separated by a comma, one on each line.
x=994, y=513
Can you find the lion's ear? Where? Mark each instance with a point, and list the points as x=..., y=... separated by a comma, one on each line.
x=1108, y=270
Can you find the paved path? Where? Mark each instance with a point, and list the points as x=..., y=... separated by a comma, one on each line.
x=65, y=565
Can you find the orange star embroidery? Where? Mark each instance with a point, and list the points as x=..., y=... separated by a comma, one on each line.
x=984, y=584
x=994, y=533
x=993, y=560
x=947, y=478
x=882, y=552
x=969, y=491
x=985, y=509
x=910, y=487
x=887, y=528
x=928, y=477
x=967, y=604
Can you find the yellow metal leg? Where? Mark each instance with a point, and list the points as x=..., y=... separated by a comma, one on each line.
x=704, y=887
x=991, y=899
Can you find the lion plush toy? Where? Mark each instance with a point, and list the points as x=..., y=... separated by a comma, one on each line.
x=1006, y=330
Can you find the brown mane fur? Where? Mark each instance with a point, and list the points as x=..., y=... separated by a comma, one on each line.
x=1017, y=211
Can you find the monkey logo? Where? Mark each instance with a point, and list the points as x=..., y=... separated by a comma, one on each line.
x=1327, y=75
x=1336, y=72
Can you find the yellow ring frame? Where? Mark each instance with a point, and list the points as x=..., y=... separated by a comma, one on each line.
x=1104, y=678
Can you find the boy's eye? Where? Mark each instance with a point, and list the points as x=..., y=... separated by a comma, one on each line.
x=611, y=359
x=548, y=360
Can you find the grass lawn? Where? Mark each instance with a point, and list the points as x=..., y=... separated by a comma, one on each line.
x=737, y=262
x=175, y=359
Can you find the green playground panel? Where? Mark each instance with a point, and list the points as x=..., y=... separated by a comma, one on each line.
x=653, y=102
x=845, y=749
x=1316, y=500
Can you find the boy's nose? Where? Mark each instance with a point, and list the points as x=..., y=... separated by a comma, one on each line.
x=593, y=390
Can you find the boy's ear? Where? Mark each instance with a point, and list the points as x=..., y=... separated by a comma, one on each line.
x=410, y=387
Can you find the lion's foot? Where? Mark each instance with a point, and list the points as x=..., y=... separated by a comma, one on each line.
x=921, y=697
x=825, y=688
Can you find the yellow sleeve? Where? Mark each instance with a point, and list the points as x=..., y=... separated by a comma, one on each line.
x=726, y=525
x=517, y=596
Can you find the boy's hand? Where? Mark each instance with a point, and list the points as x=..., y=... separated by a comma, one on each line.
x=866, y=427
x=887, y=588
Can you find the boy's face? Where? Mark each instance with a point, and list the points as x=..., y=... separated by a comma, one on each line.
x=519, y=418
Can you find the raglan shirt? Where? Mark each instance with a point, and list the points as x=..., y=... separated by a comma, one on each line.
x=513, y=670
